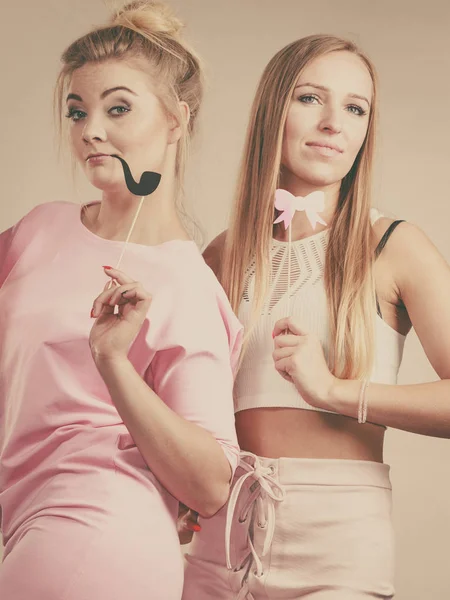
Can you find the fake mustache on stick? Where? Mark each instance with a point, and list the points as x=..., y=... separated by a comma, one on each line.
x=148, y=183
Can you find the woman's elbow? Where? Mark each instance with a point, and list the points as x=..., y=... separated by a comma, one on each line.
x=214, y=501
x=217, y=490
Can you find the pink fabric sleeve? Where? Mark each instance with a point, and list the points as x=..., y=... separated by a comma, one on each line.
x=193, y=371
x=14, y=241
x=7, y=259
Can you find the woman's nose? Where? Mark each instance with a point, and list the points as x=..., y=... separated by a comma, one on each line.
x=93, y=131
x=332, y=119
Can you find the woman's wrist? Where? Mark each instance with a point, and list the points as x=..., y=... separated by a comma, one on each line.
x=108, y=364
x=343, y=397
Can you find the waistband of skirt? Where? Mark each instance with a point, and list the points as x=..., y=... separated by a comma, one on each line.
x=322, y=471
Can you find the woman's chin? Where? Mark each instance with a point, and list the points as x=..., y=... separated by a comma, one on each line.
x=108, y=184
x=321, y=178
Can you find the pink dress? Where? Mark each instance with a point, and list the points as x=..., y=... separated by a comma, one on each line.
x=83, y=517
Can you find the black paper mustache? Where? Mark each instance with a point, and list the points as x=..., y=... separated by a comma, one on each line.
x=148, y=183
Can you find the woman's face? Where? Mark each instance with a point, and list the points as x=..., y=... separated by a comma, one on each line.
x=327, y=121
x=113, y=110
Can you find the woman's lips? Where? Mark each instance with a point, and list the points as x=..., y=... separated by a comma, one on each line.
x=325, y=150
x=97, y=158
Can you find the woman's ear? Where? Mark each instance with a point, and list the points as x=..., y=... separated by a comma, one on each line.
x=176, y=128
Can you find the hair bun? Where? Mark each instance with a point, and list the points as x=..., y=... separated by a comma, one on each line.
x=150, y=16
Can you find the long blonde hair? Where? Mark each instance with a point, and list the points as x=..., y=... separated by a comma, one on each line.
x=348, y=268
x=147, y=30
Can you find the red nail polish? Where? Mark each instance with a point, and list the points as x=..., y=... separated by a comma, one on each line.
x=196, y=527
x=92, y=313
x=106, y=267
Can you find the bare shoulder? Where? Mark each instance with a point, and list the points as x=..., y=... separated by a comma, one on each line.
x=422, y=276
x=412, y=257
x=408, y=242
x=213, y=252
x=380, y=227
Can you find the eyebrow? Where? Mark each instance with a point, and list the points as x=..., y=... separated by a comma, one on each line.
x=325, y=89
x=103, y=94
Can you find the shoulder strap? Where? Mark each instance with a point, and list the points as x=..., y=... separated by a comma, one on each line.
x=387, y=234
x=381, y=244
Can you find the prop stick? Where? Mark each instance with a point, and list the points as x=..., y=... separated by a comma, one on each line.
x=119, y=262
x=288, y=204
x=147, y=185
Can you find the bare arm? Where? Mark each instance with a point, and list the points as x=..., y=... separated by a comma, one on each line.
x=185, y=458
x=187, y=520
x=181, y=416
x=422, y=277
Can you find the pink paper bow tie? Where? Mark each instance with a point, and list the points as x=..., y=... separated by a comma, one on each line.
x=287, y=203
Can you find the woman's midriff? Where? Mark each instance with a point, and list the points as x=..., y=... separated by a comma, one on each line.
x=297, y=433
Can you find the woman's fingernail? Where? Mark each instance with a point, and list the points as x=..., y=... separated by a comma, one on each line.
x=106, y=267
x=92, y=313
x=273, y=334
x=196, y=527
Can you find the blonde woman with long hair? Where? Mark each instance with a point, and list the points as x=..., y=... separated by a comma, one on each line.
x=110, y=400
x=325, y=316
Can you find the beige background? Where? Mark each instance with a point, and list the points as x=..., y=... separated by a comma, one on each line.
x=409, y=43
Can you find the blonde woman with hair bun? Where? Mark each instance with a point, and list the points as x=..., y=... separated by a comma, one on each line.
x=109, y=400
x=326, y=305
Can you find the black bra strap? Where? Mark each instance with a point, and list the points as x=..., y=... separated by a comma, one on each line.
x=378, y=308
x=382, y=243
x=387, y=234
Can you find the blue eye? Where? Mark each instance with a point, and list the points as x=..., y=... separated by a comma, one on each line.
x=356, y=110
x=121, y=110
x=308, y=99
x=75, y=114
